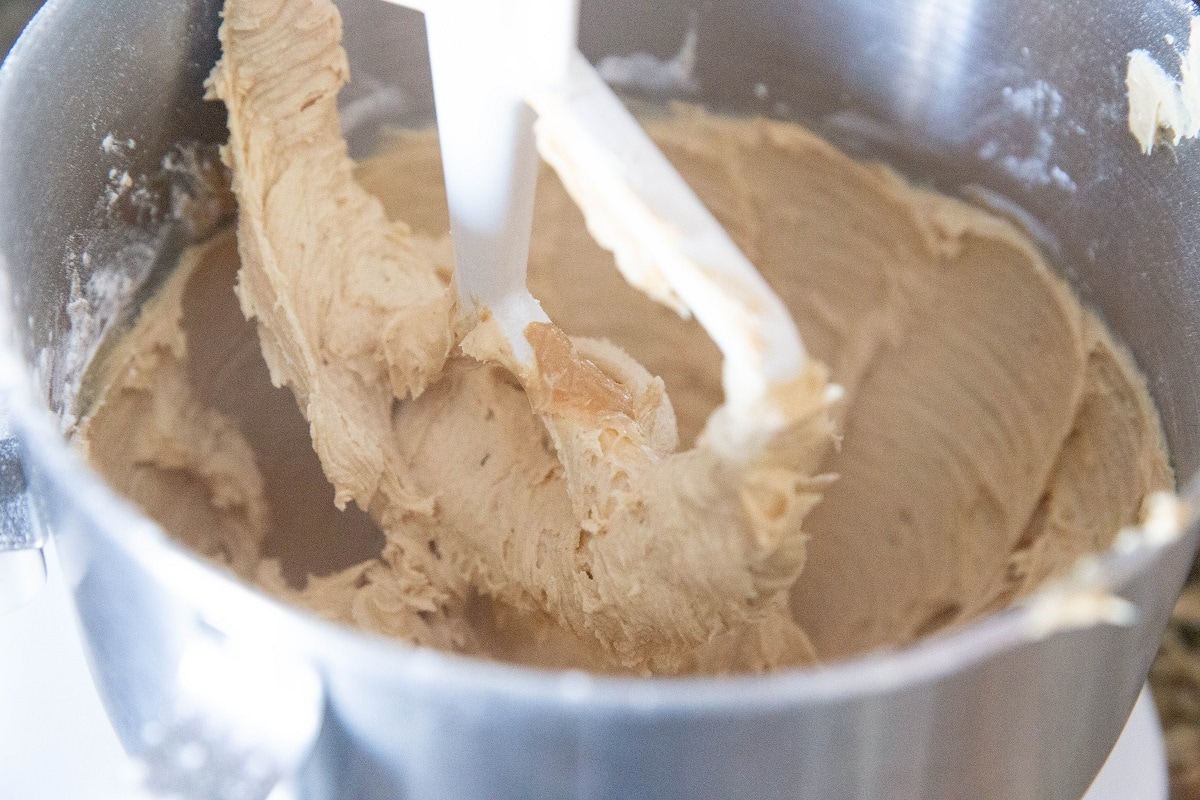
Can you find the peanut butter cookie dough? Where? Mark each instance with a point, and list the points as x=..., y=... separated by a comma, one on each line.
x=989, y=434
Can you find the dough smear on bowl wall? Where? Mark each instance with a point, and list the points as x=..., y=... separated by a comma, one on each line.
x=991, y=432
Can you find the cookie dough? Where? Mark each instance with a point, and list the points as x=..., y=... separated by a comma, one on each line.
x=990, y=431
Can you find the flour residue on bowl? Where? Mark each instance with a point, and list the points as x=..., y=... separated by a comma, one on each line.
x=1162, y=109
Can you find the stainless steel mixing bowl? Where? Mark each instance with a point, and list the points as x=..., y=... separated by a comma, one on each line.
x=222, y=692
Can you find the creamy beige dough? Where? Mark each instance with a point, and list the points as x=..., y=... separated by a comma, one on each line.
x=990, y=434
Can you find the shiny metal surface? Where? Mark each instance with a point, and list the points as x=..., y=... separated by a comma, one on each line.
x=1016, y=101
x=17, y=531
x=22, y=565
